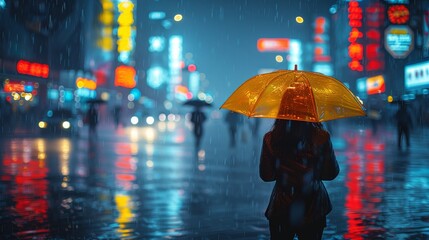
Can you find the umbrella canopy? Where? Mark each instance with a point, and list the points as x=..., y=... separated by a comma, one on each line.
x=95, y=101
x=294, y=95
x=197, y=103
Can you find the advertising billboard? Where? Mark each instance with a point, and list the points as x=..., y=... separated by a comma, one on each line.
x=399, y=40
x=375, y=85
x=273, y=44
x=416, y=76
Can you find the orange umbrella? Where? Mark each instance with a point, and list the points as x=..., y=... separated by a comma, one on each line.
x=294, y=95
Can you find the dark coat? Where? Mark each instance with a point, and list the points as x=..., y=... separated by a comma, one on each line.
x=299, y=196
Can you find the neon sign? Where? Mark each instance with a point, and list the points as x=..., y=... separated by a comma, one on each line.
x=355, y=48
x=125, y=31
x=273, y=45
x=124, y=76
x=32, y=68
x=399, y=40
x=86, y=83
x=398, y=14
x=373, y=54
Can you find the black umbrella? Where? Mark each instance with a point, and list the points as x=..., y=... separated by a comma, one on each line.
x=197, y=103
x=96, y=101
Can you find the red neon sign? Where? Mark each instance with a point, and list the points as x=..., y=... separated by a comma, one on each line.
x=355, y=49
x=124, y=77
x=373, y=54
x=398, y=14
x=273, y=44
x=32, y=68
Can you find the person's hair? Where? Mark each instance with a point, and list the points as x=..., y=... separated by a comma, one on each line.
x=286, y=134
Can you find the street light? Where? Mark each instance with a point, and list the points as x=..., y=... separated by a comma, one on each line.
x=178, y=17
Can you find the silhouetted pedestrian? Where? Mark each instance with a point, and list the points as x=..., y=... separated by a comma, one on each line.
x=298, y=156
x=117, y=115
x=233, y=120
x=198, y=118
x=404, y=123
x=92, y=116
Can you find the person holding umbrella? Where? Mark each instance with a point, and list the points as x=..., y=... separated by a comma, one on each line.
x=298, y=155
x=297, y=152
x=198, y=118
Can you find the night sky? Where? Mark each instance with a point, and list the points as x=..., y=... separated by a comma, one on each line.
x=222, y=36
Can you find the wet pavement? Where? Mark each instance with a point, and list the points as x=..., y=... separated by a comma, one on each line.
x=151, y=183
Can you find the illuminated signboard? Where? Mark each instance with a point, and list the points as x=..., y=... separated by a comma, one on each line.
x=417, y=76
x=105, y=40
x=273, y=44
x=397, y=1
x=321, y=53
x=86, y=83
x=125, y=77
x=374, y=20
x=355, y=49
x=361, y=87
x=126, y=31
x=375, y=85
x=399, y=40
x=398, y=14
x=32, y=69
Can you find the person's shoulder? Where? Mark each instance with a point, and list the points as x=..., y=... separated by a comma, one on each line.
x=268, y=135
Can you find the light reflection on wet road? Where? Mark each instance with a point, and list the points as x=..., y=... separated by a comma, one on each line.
x=150, y=183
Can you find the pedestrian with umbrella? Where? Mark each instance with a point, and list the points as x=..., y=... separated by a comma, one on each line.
x=92, y=115
x=197, y=119
x=297, y=152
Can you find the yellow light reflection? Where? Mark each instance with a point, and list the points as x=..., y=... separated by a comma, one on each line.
x=279, y=58
x=149, y=134
x=41, y=152
x=124, y=206
x=149, y=149
x=65, y=147
x=134, y=134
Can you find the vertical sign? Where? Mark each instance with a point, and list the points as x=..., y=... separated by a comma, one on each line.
x=175, y=57
x=321, y=52
x=355, y=48
x=374, y=21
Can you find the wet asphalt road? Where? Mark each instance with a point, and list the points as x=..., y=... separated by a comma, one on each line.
x=151, y=183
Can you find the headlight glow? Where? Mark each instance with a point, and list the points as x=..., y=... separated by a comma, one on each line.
x=42, y=124
x=150, y=120
x=66, y=125
x=134, y=120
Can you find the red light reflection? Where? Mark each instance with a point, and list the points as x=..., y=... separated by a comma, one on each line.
x=364, y=181
x=28, y=192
